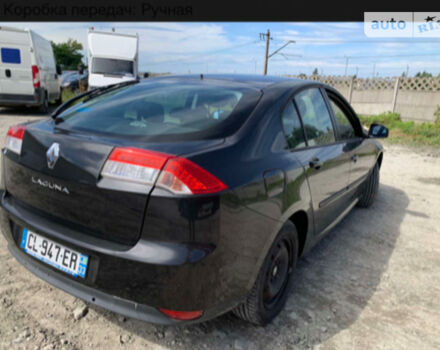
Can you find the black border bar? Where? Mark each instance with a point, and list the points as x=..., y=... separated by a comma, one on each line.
x=196, y=10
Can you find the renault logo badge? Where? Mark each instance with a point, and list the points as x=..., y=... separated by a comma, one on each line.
x=52, y=155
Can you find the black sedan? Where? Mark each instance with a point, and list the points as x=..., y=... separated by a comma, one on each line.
x=176, y=199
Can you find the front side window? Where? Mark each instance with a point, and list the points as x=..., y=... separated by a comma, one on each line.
x=292, y=127
x=315, y=116
x=346, y=130
x=112, y=66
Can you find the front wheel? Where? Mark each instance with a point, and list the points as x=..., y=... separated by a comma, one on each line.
x=274, y=281
x=369, y=188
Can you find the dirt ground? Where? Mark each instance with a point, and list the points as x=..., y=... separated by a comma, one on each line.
x=372, y=283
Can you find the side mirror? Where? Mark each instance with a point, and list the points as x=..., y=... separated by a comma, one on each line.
x=378, y=131
x=58, y=69
x=146, y=75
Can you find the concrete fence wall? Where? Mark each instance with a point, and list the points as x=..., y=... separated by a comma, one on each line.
x=413, y=98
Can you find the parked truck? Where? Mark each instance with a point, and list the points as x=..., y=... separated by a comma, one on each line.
x=112, y=57
x=28, y=72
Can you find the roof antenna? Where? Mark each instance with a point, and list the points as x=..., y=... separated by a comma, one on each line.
x=201, y=76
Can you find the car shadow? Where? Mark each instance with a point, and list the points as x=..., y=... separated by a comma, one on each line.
x=333, y=284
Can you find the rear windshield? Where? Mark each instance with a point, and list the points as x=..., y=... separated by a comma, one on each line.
x=112, y=66
x=162, y=109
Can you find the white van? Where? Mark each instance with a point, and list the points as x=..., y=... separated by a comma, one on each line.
x=28, y=73
x=112, y=57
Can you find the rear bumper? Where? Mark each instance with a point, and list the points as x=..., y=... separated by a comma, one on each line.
x=134, y=281
x=14, y=100
x=88, y=294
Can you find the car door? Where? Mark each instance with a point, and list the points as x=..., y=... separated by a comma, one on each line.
x=46, y=63
x=53, y=76
x=49, y=70
x=361, y=153
x=327, y=167
x=15, y=69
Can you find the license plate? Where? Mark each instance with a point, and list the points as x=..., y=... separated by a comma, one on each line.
x=54, y=254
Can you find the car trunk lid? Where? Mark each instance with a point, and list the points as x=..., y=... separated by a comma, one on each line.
x=69, y=191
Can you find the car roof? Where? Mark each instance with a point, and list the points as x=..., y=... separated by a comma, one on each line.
x=250, y=80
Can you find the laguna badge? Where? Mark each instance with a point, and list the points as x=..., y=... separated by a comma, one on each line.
x=50, y=185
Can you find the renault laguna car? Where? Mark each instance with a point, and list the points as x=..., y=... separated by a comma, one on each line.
x=177, y=199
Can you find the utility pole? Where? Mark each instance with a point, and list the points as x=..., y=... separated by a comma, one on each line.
x=346, y=64
x=407, y=70
x=374, y=69
x=267, y=55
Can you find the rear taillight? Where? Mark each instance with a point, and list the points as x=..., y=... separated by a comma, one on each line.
x=14, y=138
x=134, y=165
x=36, y=76
x=180, y=175
x=177, y=174
x=182, y=315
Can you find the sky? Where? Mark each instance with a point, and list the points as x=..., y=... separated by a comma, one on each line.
x=333, y=48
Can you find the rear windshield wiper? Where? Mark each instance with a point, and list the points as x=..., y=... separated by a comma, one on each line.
x=88, y=96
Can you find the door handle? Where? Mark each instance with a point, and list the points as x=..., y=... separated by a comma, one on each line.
x=8, y=73
x=315, y=163
x=354, y=158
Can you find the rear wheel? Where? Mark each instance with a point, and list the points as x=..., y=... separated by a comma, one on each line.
x=274, y=281
x=44, y=106
x=59, y=100
x=369, y=188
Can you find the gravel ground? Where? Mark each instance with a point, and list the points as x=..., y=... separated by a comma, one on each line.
x=372, y=283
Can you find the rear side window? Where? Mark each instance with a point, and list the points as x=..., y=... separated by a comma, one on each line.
x=346, y=130
x=163, y=108
x=112, y=66
x=292, y=127
x=10, y=55
x=316, y=118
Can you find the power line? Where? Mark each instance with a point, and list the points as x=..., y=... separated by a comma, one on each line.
x=360, y=41
x=360, y=57
x=206, y=54
x=389, y=56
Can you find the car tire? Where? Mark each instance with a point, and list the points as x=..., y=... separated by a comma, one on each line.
x=260, y=306
x=59, y=100
x=44, y=106
x=369, y=188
